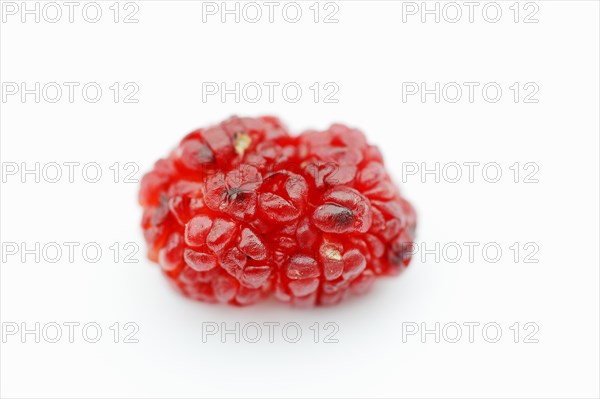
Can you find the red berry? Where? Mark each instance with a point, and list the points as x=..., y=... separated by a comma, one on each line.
x=242, y=210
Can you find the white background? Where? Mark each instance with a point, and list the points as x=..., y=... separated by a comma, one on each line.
x=169, y=53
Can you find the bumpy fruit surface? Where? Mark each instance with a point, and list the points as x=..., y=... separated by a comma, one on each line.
x=242, y=211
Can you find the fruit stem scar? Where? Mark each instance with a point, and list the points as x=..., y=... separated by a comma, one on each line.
x=332, y=253
x=241, y=141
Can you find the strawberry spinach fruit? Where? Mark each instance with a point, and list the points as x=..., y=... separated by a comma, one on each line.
x=243, y=210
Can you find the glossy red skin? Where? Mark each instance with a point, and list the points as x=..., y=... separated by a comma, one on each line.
x=243, y=210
